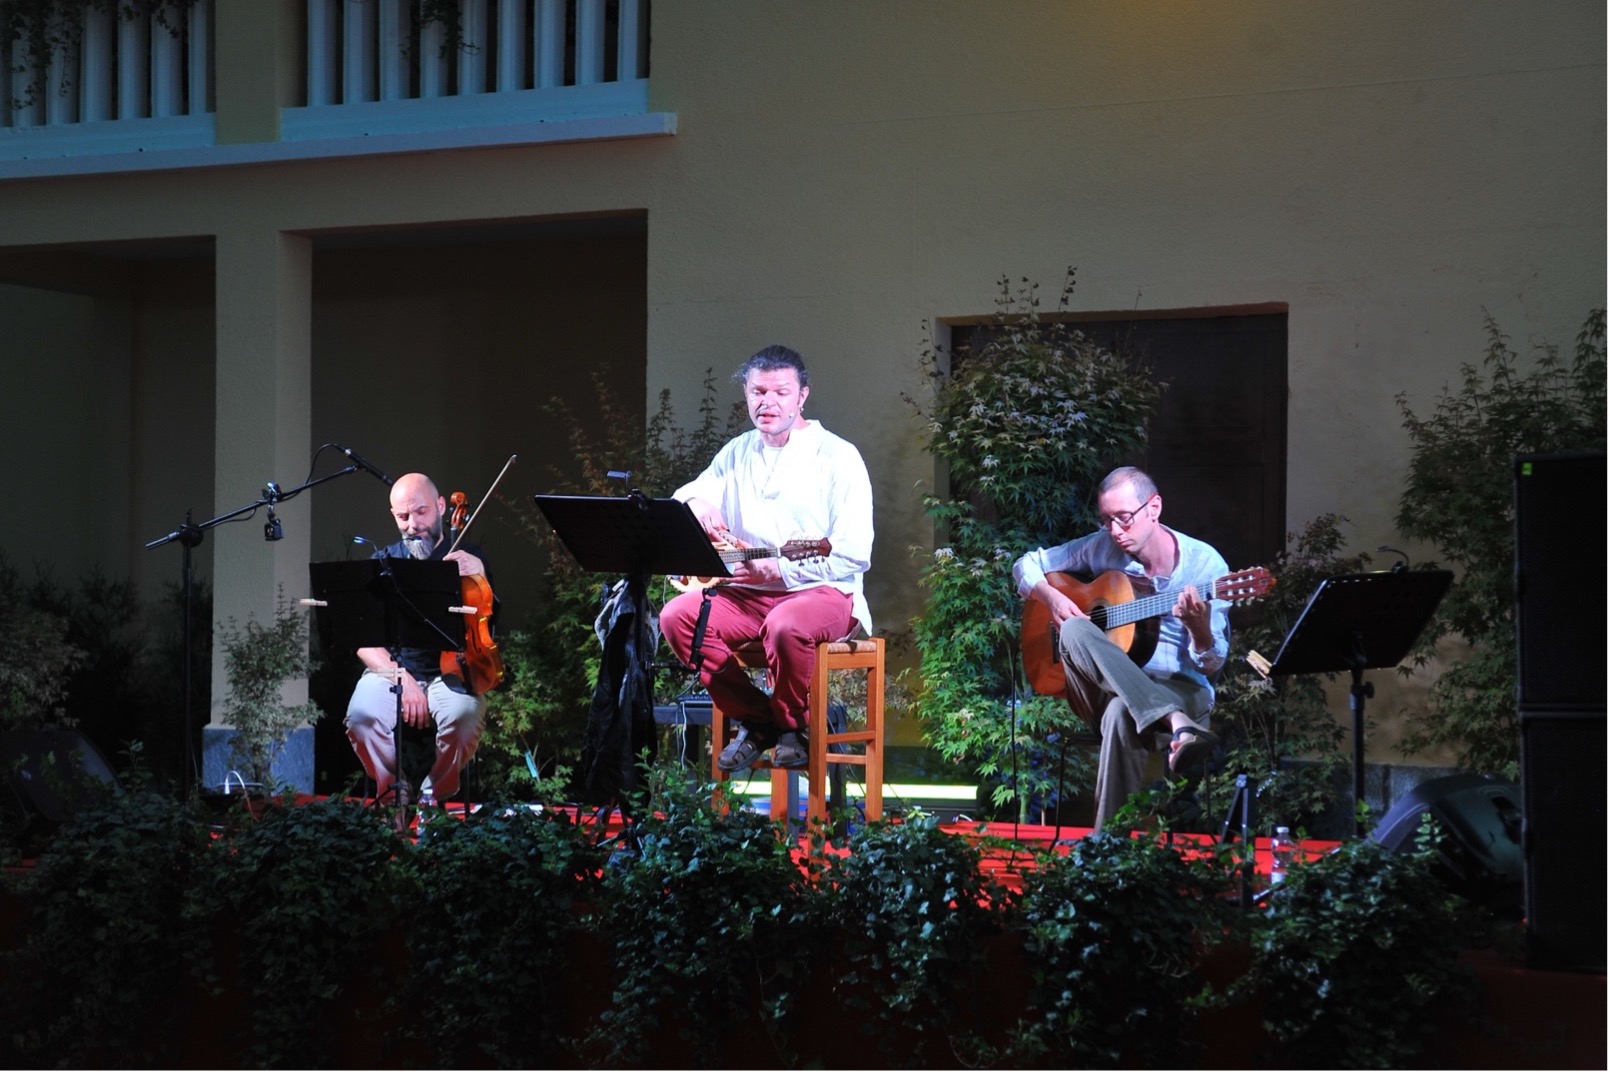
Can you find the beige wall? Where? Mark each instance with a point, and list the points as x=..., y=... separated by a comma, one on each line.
x=1386, y=170
x=842, y=174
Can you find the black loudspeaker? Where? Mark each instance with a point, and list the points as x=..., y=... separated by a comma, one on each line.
x=1479, y=856
x=1560, y=668
x=1559, y=500
x=1563, y=774
x=48, y=771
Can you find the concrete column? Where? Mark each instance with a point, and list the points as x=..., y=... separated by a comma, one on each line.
x=261, y=42
x=264, y=413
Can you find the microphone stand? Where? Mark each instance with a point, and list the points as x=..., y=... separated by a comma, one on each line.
x=189, y=536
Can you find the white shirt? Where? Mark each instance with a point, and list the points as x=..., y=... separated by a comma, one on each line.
x=815, y=486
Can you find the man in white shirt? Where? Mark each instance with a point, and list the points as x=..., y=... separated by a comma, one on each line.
x=1172, y=691
x=787, y=479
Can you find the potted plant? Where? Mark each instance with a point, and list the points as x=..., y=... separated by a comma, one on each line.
x=259, y=659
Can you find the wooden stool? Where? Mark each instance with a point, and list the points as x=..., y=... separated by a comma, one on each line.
x=864, y=653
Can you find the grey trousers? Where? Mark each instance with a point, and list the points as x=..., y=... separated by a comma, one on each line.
x=1129, y=707
x=372, y=714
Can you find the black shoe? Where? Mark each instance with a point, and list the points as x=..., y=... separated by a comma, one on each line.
x=752, y=741
x=793, y=751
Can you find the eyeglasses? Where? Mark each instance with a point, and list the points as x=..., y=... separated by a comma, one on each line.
x=1124, y=519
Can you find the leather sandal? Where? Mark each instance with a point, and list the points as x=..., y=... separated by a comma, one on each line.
x=1195, y=747
x=793, y=751
x=751, y=742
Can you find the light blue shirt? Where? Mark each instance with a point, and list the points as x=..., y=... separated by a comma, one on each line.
x=1199, y=565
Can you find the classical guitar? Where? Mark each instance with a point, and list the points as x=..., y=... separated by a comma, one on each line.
x=1126, y=612
x=735, y=552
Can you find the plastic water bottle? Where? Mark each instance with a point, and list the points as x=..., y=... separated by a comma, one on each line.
x=1282, y=853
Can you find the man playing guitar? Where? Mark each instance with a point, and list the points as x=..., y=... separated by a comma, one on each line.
x=1172, y=690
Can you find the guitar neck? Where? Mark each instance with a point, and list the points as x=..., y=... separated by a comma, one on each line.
x=737, y=556
x=1156, y=604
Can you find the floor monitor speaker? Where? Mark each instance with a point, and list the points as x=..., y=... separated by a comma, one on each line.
x=47, y=771
x=1481, y=819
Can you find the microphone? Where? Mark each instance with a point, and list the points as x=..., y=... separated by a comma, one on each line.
x=363, y=464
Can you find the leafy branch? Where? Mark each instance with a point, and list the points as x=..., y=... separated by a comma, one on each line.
x=1459, y=498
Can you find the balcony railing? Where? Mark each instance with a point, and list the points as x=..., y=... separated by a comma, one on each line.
x=138, y=85
x=123, y=69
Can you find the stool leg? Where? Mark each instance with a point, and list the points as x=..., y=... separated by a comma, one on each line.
x=782, y=790
x=718, y=741
x=872, y=773
x=816, y=771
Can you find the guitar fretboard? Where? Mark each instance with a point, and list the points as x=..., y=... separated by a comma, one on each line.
x=1144, y=608
x=734, y=556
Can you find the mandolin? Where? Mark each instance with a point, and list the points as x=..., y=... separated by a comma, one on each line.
x=1125, y=612
x=735, y=551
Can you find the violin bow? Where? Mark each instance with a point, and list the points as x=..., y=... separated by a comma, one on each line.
x=490, y=490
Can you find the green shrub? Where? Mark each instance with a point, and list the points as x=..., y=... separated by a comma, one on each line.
x=1114, y=932
x=491, y=943
x=94, y=657
x=294, y=908
x=912, y=910
x=703, y=910
x=39, y=658
x=1356, y=957
x=1459, y=497
x=104, y=951
x=259, y=659
x=309, y=936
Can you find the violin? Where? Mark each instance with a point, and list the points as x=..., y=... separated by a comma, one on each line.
x=478, y=664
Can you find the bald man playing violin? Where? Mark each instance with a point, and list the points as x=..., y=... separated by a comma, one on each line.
x=429, y=696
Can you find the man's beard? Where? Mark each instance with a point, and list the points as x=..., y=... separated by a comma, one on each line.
x=420, y=547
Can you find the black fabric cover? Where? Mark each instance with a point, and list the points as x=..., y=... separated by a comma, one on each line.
x=620, y=722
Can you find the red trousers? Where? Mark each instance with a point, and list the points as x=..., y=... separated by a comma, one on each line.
x=788, y=625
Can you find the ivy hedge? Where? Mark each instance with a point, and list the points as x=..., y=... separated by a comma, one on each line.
x=152, y=932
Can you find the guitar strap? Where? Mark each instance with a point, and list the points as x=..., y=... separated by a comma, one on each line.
x=696, y=655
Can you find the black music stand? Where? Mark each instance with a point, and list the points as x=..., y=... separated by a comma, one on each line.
x=388, y=601
x=636, y=537
x=1359, y=621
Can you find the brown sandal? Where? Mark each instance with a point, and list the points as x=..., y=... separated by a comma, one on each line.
x=1195, y=747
